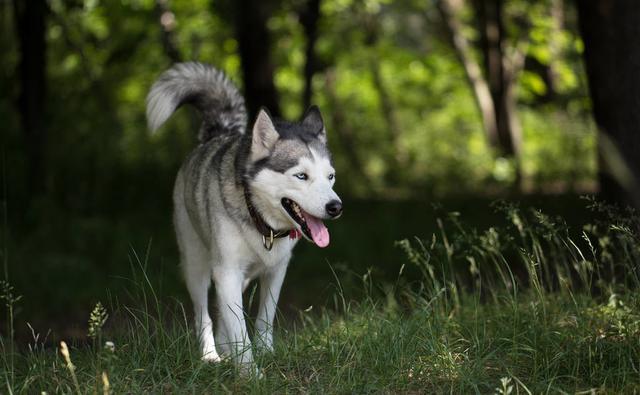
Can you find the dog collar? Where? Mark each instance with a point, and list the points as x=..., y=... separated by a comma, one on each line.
x=267, y=232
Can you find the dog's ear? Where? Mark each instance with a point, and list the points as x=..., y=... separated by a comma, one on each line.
x=312, y=121
x=264, y=136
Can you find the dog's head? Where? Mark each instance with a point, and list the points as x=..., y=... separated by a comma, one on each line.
x=290, y=174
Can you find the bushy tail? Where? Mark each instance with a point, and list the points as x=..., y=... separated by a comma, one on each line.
x=207, y=89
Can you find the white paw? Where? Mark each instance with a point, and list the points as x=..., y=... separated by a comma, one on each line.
x=265, y=343
x=211, y=356
x=265, y=348
x=250, y=370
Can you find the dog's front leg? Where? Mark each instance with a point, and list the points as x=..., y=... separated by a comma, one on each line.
x=228, y=282
x=270, y=284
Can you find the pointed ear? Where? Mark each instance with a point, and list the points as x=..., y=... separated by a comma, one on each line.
x=263, y=136
x=312, y=121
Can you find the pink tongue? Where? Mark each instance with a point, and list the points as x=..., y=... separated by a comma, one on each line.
x=319, y=232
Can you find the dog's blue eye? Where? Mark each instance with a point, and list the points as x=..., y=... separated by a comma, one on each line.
x=301, y=176
x=331, y=176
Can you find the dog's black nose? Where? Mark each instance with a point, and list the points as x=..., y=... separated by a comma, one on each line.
x=334, y=208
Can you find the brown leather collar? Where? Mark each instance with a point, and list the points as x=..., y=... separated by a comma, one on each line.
x=267, y=232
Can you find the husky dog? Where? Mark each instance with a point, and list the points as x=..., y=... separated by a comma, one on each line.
x=242, y=199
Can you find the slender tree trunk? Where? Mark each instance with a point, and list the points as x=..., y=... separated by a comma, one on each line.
x=500, y=80
x=30, y=17
x=555, y=47
x=254, y=45
x=611, y=34
x=495, y=89
x=387, y=107
x=309, y=19
x=167, y=22
x=476, y=80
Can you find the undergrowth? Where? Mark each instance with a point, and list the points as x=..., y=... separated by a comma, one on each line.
x=533, y=307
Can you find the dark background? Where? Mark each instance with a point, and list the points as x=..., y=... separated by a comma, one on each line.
x=430, y=106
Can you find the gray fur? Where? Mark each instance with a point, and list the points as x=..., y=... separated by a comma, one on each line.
x=216, y=235
x=209, y=90
x=285, y=155
x=296, y=141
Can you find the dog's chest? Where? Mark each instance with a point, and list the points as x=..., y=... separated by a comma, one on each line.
x=280, y=251
x=261, y=259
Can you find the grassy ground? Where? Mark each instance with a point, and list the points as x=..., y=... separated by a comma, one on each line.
x=531, y=306
x=70, y=261
x=533, y=346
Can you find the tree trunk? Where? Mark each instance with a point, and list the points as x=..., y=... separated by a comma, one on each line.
x=495, y=89
x=250, y=19
x=167, y=21
x=30, y=17
x=611, y=34
x=479, y=85
x=309, y=19
x=387, y=107
x=552, y=77
x=500, y=80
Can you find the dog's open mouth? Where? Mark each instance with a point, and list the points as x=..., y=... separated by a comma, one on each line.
x=312, y=228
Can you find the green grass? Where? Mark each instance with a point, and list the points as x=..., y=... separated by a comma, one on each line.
x=46, y=262
x=533, y=306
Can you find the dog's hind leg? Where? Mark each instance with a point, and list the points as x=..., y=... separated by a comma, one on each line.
x=195, y=261
x=270, y=284
x=198, y=279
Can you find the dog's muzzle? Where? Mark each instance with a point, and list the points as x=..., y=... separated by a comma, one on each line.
x=334, y=208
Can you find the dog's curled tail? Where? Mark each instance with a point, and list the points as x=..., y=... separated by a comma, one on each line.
x=207, y=89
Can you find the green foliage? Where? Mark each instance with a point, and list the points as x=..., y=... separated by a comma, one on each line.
x=529, y=305
x=559, y=149
x=103, y=56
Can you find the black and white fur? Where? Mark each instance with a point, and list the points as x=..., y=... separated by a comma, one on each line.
x=216, y=235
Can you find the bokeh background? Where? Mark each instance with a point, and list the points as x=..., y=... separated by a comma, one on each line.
x=431, y=106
